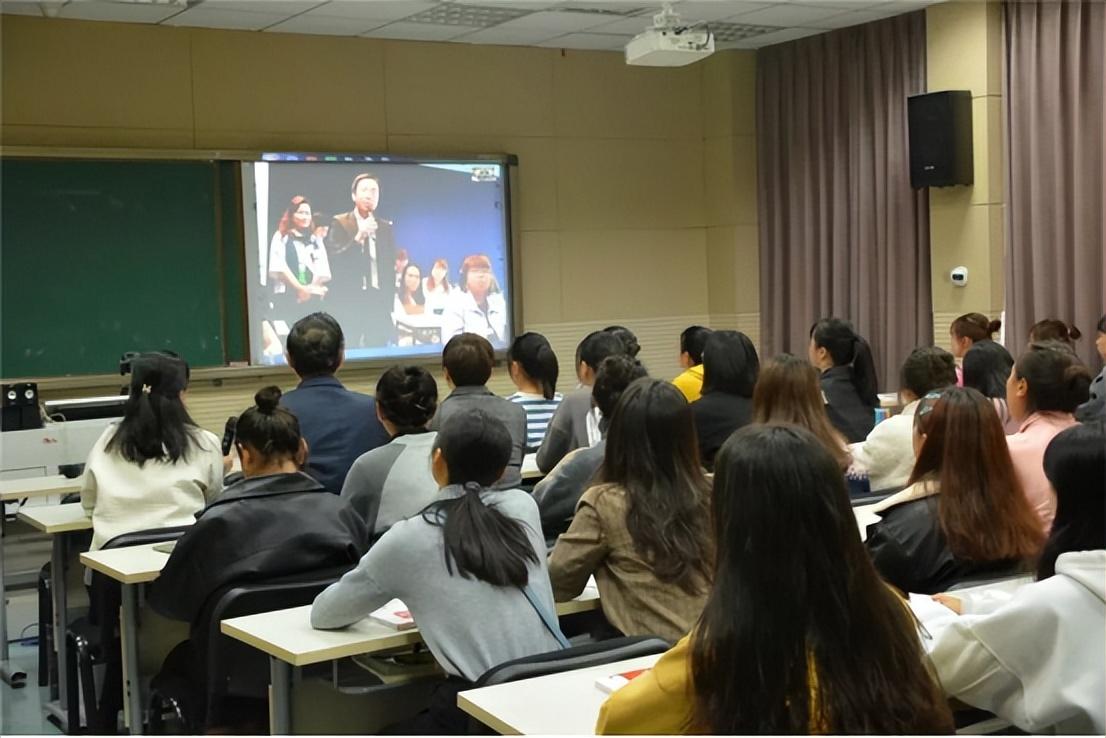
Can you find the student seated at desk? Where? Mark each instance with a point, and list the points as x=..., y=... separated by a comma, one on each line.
x=692, y=341
x=559, y=492
x=964, y=515
x=394, y=482
x=1094, y=409
x=887, y=454
x=1046, y=385
x=967, y=331
x=338, y=425
x=155, y=468
x=731, y=367
x=470, y=568
x=575, y=423
x=1036, y=659
x=986, y=368
x=848, y=377
x=468, y=360
x=533, y=368
x=644, y=529
x=799, y=635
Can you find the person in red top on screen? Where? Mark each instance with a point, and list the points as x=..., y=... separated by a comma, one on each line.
x=479, y=306
x=362, y=254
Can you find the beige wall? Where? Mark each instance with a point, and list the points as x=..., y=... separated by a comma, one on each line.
x=964, y=52
x=636, y=198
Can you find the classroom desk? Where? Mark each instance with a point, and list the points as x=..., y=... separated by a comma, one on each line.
x=11, y=490
x=131, y=566
x=55, y=521
x=290, y=641
x=558, y=704
x=530, y=468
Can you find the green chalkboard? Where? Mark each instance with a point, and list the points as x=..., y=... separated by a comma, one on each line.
x=99, y=257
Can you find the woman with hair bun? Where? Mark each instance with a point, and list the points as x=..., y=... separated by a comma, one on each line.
x=1053, y=329
x=393, y=482
x=968, y=330
x=1045, y=387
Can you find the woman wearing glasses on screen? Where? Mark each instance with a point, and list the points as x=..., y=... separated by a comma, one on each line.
x=298, y=264
x=479, y=306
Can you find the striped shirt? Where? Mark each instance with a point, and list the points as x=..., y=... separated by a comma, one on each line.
x=539, y=411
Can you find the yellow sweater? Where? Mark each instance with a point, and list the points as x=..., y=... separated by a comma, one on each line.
x=690, y=383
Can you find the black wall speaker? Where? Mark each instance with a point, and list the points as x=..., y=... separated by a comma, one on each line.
x=940, y=125
x=19, y=407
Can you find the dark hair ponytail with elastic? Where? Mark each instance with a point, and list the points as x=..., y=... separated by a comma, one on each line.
x=976, y=326
x=268, y=428
x=155, y=425
x=534, y=354
x=848, y=348
x=480, y=541
x=1058, y=382
x=1051, y=329
x=407, y=397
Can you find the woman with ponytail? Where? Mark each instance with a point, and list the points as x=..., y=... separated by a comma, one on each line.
x=533, y=368
x=155, y=467
x=470, y=568
x=848, y=377
x=276, y=522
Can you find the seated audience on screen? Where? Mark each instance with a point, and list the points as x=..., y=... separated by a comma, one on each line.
x=731, y=367
x=1036, y=659
x=155, y=467
x=534, y=370
x=1095, y=407
x=470, y=568
x=410, y=299
x=478, y=306
x=437, y=287
x=558, y=493
x=799, y=634
x=1052, y=329
x=644, y=529
x=692, y=341
x=1045, y=387
x=338, y=425
x=787, y=392
x=968, y=330
x=468, y=360
x=575, y=424
x=986, y=368
x=964, y=515
x=848, y=377
x=394, y=482
x=887, y=454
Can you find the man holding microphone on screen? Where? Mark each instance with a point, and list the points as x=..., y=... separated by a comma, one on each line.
x=361, y=249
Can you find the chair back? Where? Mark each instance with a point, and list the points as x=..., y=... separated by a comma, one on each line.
x=577, y=657
x=105, y=595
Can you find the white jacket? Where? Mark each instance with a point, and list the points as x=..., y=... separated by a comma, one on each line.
x=1038, y=661
x=888, y=451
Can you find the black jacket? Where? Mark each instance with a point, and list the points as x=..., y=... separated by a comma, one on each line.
x=848, y=412
x=261, y=527
x=910, y=551
x=717, y=416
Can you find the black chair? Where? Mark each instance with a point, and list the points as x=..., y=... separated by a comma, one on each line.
x=211, y=670
x=95, y=640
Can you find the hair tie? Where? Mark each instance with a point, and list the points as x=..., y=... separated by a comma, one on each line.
x=472, y=487
x=147, y=389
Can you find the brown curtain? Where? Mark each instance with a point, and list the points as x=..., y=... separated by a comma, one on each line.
x=1055, y=86
x=841, y=231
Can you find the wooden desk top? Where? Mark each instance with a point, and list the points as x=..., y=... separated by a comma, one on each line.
x=288, y=635
x=558, y=704
x=53, y=519
x=17, y=489
x=129, y=565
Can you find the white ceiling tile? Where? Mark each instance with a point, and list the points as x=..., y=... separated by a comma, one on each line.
x=843, y=4
x=776, y=37
x=384, y=10
x=276, y=7
x=853, y=19
x=711, y=11
x=534, y=5
x=204, y=17
x=325, y=25
x=419, y=31
x=787, y=15
x=507, y=36
x=556, y=22
x=632, y=26
x=18, y=8
x=593, y=41
x=121, y=12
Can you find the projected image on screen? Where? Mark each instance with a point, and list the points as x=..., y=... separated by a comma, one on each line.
x=404, y=255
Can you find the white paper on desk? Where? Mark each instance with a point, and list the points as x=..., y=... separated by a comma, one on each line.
x=864, y=518
x=591, y=589
x=394, y=615
x=934, y=617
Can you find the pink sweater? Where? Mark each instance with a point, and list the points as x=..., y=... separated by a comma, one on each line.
x=1027, y=450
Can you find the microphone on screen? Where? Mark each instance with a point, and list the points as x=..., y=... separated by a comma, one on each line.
x=228, y=434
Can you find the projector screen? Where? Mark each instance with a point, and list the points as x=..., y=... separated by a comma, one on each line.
x=403, y=253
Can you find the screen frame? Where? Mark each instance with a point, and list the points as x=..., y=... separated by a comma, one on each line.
x=512, y=271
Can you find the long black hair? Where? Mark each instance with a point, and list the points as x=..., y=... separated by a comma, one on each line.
x=1075, y=464
x=268, y=428
x=799, y=633
x=480, y=541
x=155, y=425
x=848, y=348
x=730, y=364
x=534, y=354
x=652, y=453
x=986, y=366
x=407, y=397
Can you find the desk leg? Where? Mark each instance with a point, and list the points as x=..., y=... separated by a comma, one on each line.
x=58, y=711
x=280, y=697
x=132, y=684
x=13, y=679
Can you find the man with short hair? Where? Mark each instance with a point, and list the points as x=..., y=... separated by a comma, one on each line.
x=468, y=360
x=362, y=254
x=338, y=425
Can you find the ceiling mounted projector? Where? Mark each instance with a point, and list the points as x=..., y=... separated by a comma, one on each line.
x=669, y=43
